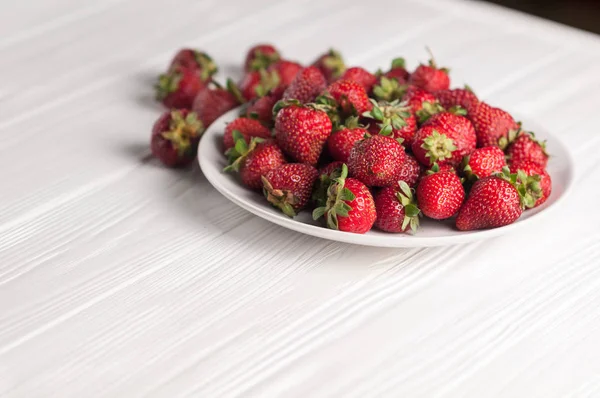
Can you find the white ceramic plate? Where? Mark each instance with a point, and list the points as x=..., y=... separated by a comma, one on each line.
x=431, y=233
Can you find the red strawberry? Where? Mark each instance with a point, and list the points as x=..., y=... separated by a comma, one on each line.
x=396, y=209
x=301, y=131
x=261, y=109
x=531, y=168
x=430, y=77
x=260, y=57
x=258, y=83
x=377, y=160
x=440, y=195
x=350, y=97
x=175, y=137
x=463, y=97
x=289, y=186
x=417, y=98
x=178, y=87
x=341, y=141
x=389, y=89
x=457, y=128
x=498, y=200
x=331, y=64
x=307, y=85
x=411, y=171
x=247, y=128
x=348, y=206
x=395, y=119
x=212, y=103
x=360, y=76
x=201, y=62
x=330, y=167
x=398, y=71
x=287, y=71
x=483, y=162
x=526, y=147
x=253, y=160
x=431, y=146
x=491, y=124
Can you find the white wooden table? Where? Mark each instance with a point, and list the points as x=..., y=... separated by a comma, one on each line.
x=119, y=278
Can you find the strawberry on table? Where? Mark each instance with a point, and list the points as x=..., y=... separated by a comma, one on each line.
x=175, y=137
x=289, y=186
x=261, y=56
x=397, y=210
x=526, y=147
x=178, y=87
x=531, y=169
x=199, y=61
x=341, y=141
x=253, y=159
x=498, y=200
x=430, y=77
x=394, y=119
x=377, y=161
x=331, y=64
x=212, y=103
x=492, y=125
x=306, y=86
x=360, y=76
x=301, y=130
x=247, y=127
x=348, y=205
x=483, y=162
x=440, y=194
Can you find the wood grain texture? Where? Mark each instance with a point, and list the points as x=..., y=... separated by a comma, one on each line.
x=119, y=278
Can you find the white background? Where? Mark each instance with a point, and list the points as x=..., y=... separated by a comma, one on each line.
x=119, y=278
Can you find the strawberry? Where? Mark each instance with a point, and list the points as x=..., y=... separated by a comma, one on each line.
x=455, y=127
x=440, y=195
x=417, y=98
x=525, y=147
x=377, y=160
x=350, y=97
x=175, y=137
x=348, y=205
x=329, y=168
x=430, y=77
x=389, y=89
x=395, y=119
x=212, y=103
x=492, y=125
x=360, y=76
x=201, y=62
x=398, y=71
x=301, y=130
x=256, y=84
x=289, y=186
x=253, y=160
x=498, y=200
x=178, y=87
x=306, y=86
x=530, y=169
x=483, y=162
x=261, y=109
x=331, y=64
x=411, y=171
x=287, y=71
x=396, y=209
x=260, y=57
x=247, y=128
x=463, y=97
x=341, y=141
x=431, y=145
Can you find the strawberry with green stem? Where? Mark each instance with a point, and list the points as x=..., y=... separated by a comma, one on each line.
x=360, y=76
x=175, y=137
x=289, y=186
x=348, y=204
x=393, y=119
x=483, y=162
x=377, y=160
x=342, y=139
x=331, y=64
x=531, y=169
x=430, y=77
x=521, y=146
x=261, y=56
x=212, y=103
x=397, y=210
x=440, y=194
x=247, y=127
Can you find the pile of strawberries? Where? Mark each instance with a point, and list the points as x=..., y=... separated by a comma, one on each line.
x=360, y=149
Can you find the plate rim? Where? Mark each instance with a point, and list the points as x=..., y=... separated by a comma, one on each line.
x=395, y=240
